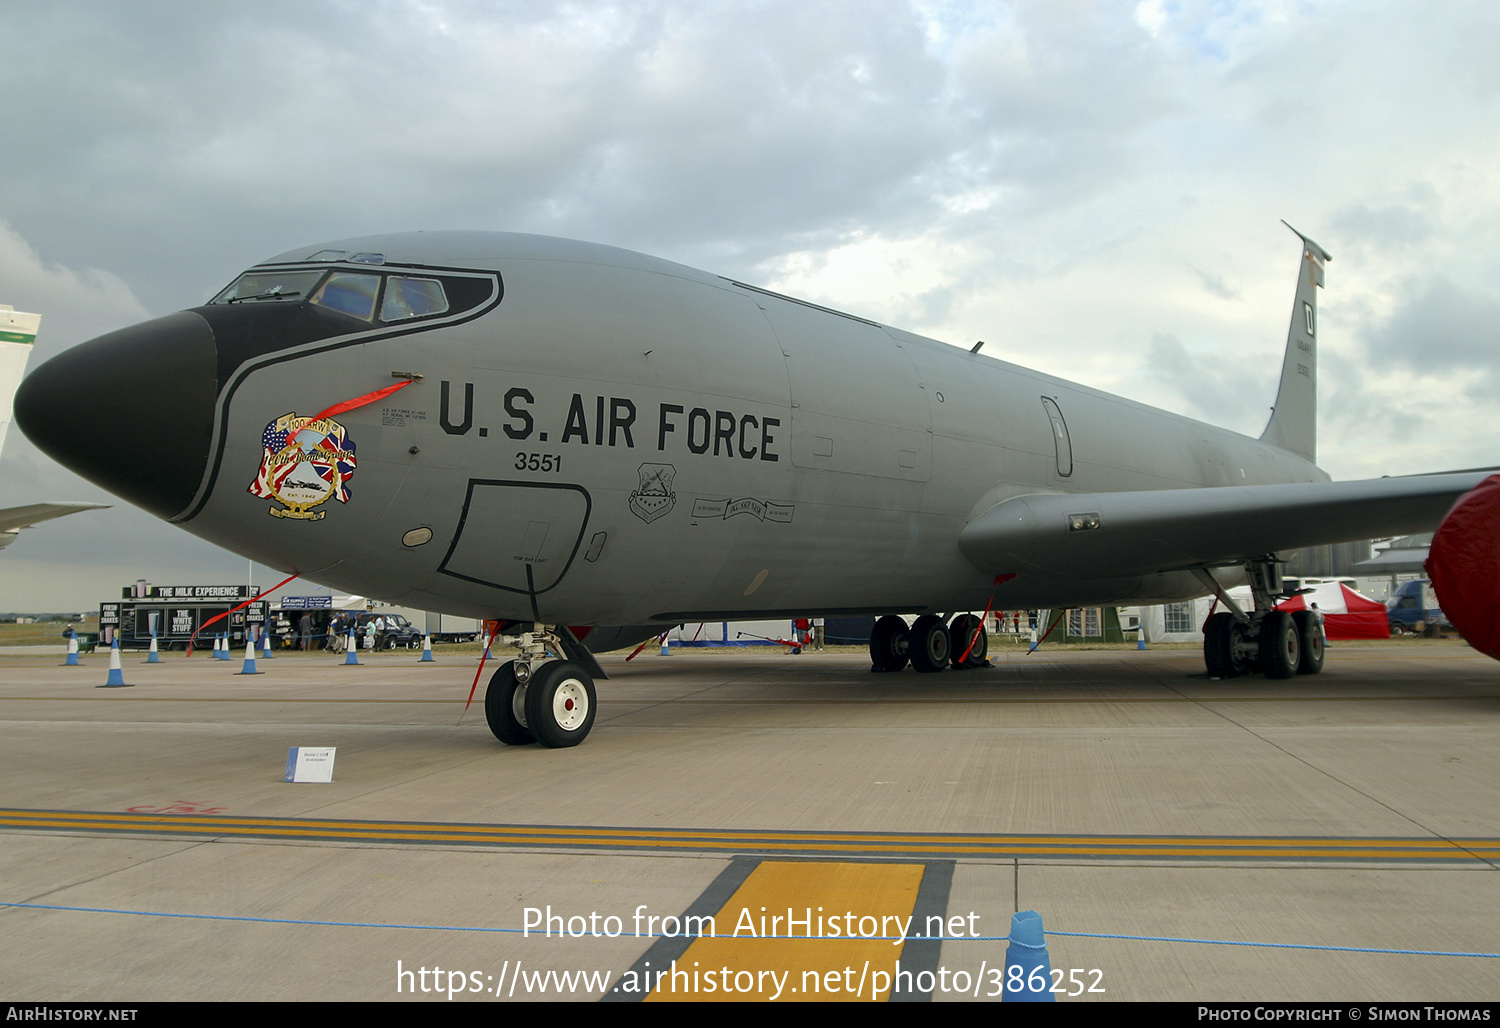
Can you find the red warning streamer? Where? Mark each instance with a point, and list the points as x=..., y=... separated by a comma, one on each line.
x=642, y=646
x=361, y=401
x=491, y=629
x=231, y=610
x=999, y=580
x=1211, y=608
x=1043, y=639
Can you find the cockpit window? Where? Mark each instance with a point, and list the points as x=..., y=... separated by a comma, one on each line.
x=412, y=298
x=349, y=292
x=269, y=285
x=327, y=255
x=367, y=258
x=386, y=296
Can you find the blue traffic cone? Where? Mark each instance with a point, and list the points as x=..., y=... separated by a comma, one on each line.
x=265, y=647
x=665, y=652
x=249, y=665
x=224, y=650
x=153, y=657
x=1140, y=637
x=116, y=677
x=72, y=660
x=351, y=655
x=1028, y=951
x=426, y=649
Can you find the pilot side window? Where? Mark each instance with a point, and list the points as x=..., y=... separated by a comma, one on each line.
x=1060, y=440
x=412, y=298
x=350, y=293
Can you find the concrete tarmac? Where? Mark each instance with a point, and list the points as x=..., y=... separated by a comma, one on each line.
x=1182, y=839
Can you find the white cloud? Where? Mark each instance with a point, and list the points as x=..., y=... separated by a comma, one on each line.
x=76, y=304
x=1092, y=188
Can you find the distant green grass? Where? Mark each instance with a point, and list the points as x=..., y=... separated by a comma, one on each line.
x=44, y=634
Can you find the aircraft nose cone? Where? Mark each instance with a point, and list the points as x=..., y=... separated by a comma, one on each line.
x=131, y=411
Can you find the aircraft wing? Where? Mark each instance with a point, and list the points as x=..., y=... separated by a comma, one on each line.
x=13, y=519
x=1104, y=535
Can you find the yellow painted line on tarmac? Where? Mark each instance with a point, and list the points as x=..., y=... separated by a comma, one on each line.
x=829, y=910
x=886, y=845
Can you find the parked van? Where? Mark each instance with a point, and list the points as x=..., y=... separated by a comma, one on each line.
x=1413, y=610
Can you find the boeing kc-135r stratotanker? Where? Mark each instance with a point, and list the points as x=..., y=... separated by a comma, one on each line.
x=554, y=433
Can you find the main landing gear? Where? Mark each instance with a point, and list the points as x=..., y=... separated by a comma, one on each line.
x=1276, y=643
x=930, y=644
x=540, y=698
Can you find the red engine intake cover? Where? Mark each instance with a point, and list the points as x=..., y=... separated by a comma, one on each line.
x=1464, y=565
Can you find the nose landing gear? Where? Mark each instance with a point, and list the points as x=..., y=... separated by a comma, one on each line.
x=540, y=698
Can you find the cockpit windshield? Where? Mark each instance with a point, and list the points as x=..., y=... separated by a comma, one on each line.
x=269, y=285
x=355, y=293
x=412, y=298
x=349, y=292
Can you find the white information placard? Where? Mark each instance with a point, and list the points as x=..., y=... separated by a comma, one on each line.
x=310, y=763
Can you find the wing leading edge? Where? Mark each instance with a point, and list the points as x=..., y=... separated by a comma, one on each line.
x=13, y=519
x=1105, y=535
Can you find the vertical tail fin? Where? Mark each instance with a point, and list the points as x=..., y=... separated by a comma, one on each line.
x=1294, y=419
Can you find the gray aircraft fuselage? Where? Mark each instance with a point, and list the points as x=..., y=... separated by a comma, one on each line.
x=601, y=437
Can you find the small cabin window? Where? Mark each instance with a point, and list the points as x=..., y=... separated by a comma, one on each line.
x=1060, y=440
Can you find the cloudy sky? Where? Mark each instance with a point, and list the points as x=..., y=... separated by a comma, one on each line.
x=1094, y=188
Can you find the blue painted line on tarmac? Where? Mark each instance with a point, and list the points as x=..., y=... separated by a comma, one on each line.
x=876, y=938
x=1277, y=945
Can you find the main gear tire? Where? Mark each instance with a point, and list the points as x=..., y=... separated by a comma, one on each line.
x=1280, y=645
x=1223, y=646
x=505, y=707
x=560, y=704
x=931, y=644
x=1310, y=627
x=960, y=633
x=890, y=643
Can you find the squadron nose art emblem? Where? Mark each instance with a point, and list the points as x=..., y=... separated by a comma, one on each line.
x=655, y=496
x=305, y=461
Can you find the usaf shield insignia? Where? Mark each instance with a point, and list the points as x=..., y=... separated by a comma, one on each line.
x=655, y=496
